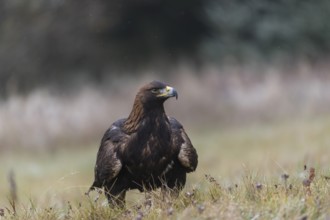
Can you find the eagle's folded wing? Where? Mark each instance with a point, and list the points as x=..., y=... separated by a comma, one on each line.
x=108, y=162
x=187, y=154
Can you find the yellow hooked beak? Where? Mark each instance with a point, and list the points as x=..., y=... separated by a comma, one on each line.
x=168, y=92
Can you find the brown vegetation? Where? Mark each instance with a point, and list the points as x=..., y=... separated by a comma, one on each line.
x=218, y=98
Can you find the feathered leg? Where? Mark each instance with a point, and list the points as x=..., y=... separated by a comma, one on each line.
x=115, y=195
x=175, y=180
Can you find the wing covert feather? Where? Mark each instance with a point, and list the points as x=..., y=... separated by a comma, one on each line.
x=108, y=161
x=187, y=154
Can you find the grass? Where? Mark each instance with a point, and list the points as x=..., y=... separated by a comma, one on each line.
x=259, y=171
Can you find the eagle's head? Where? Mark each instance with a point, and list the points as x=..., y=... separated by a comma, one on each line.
x=148, y=101
x=155, y=93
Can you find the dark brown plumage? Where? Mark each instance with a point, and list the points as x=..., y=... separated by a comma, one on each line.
x=146, y=150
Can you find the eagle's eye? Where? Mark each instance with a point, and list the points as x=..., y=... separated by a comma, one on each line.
x=155, y=91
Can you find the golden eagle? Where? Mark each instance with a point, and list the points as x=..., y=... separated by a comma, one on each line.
x=146, y=150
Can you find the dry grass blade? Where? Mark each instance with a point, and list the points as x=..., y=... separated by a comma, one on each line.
x=13, y=191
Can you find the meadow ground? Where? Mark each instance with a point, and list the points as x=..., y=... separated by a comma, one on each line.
x=259, y=171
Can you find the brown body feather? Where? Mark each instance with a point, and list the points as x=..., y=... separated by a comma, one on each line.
x=145, y=151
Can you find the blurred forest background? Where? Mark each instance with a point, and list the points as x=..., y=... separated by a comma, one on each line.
x=69, y=68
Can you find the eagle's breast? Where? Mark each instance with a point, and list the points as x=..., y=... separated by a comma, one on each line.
x=152, y=151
